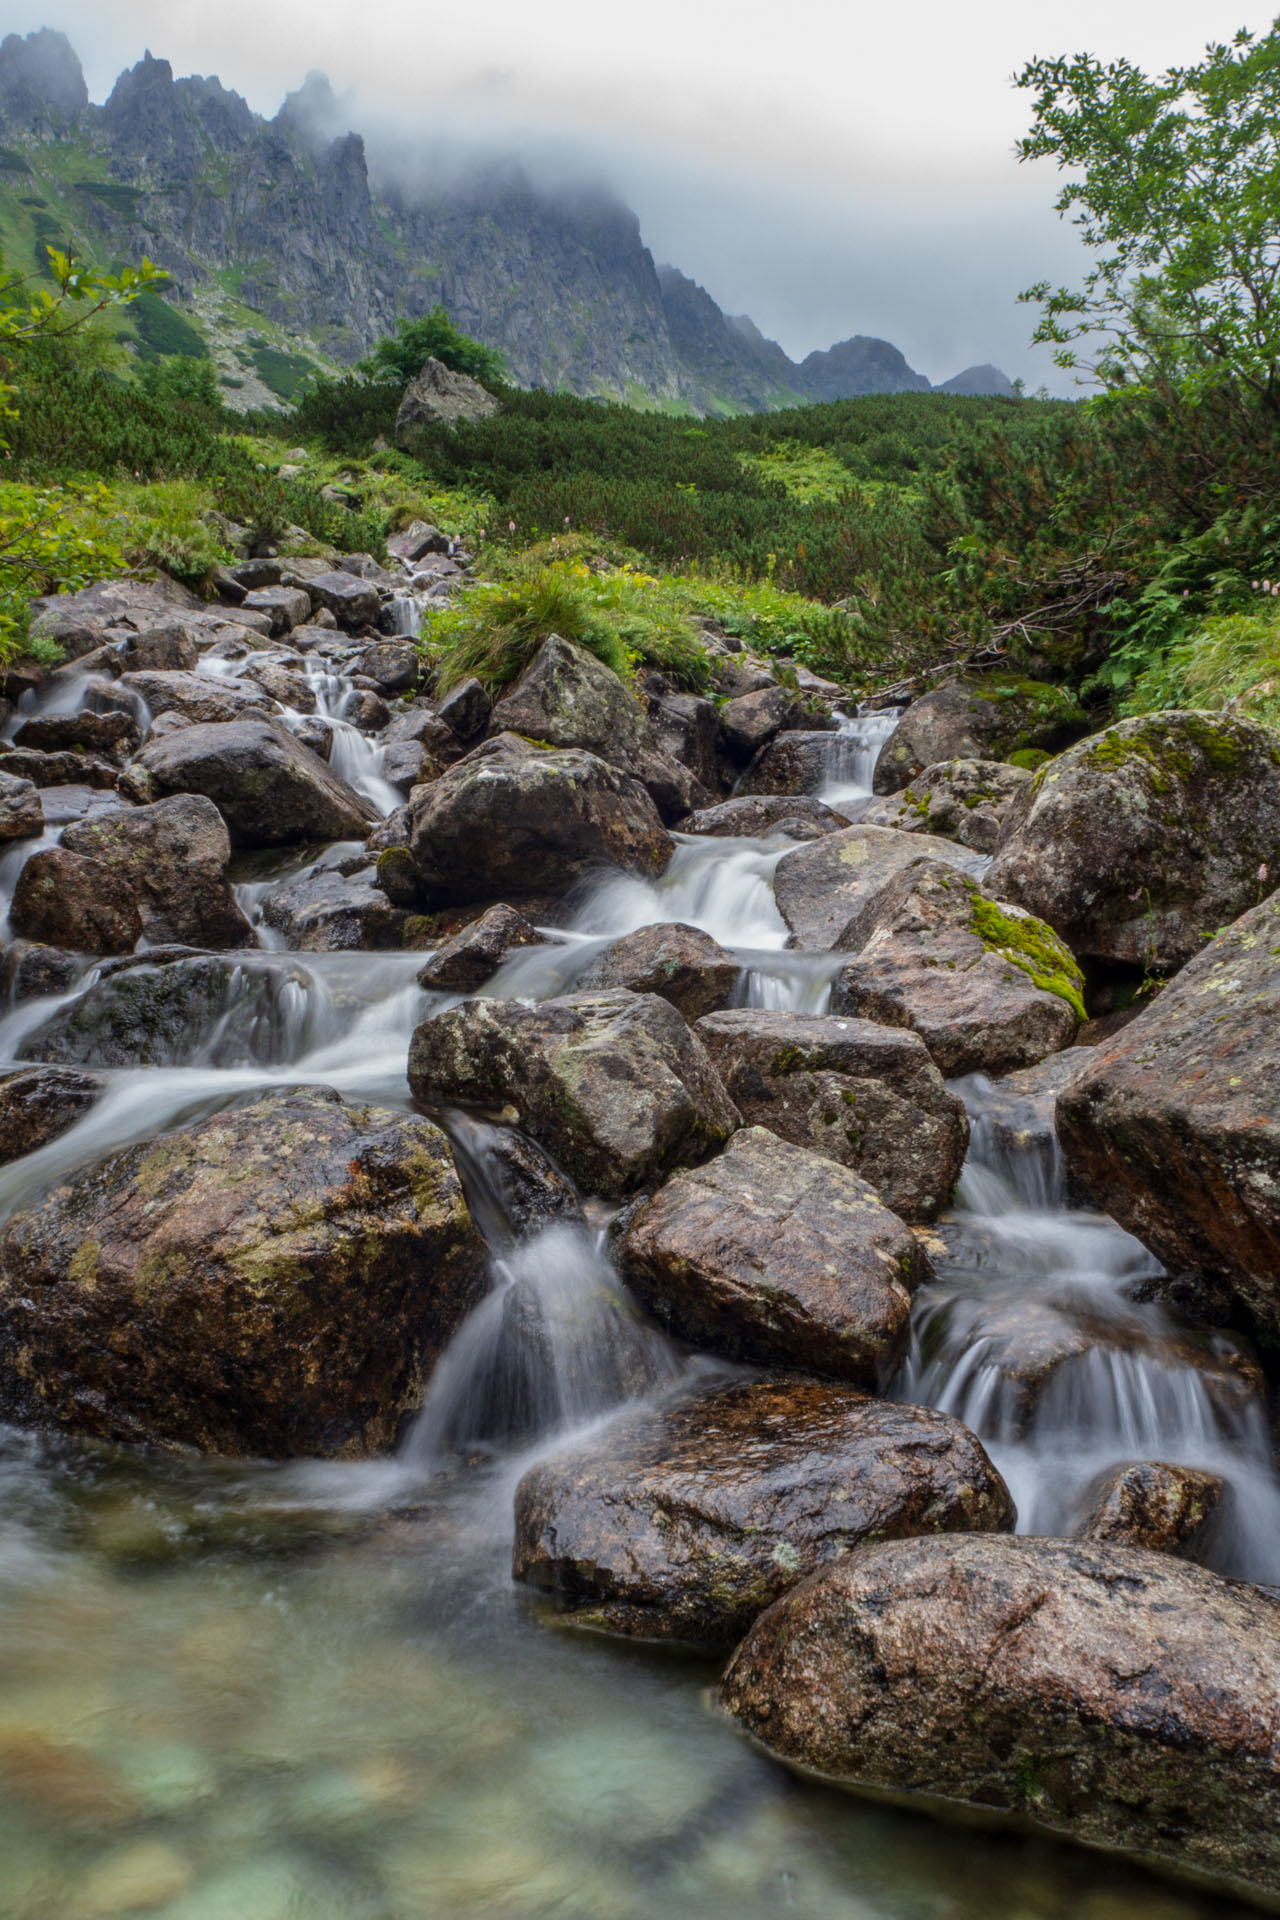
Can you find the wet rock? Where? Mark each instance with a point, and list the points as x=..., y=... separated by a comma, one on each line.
x=569, y=698
x=473, y=956
x=465, y=709
x=868, y=1096
x=21, y=814
x=317, y=737
x=775, y=1255
x=282, y=682
x=31, y=969
x=1139, y=843
x=58, y=769
x=325, y=911
x=164, y=1014
x=685, y=727
x=1151, y=1504
x=353, y=602
x=440, y=397
x=613, y=1085
x=107, y=736
x=1172, y=1123
x=66, y=900
x=268, y=787
x=674, y=790
x=793, y=763
x=41, y=1103
x=531, y=1191
x=754, y=816
x=395, y=665
x=173, y=856
x=987, y=987
x=686, y=1522
x=324, y=1251
x=285, y=607
x=198, y=696
x=750, y=721
x=511, y=820
x=983, y=717
x=822, y=887
x=964, y=800
x=1121, y=1697
x=687, y=967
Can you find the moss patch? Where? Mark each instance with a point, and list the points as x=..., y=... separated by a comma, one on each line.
x=1034, y=947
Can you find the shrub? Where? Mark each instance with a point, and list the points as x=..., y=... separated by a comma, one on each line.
x=401, y=356
x=163, y=330
x=52, y=539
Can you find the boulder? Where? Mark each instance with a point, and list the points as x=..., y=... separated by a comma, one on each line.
x=285, y=607
x=66, y=900
x=512, y=819
x=569, y=698
x=1119, y=1697
x=868, y=1096
x=750, y=721
x=418, y=539
x=30, y=970
x=269, y=788
x=613, y=1085
x=323, y=1251
x=686, y=1521
x=354, y=602
x=39, y=1104
x=685, y=727
x=822, y=887
x=1172, y=1124
x=173, y=856
x=772, y=1254
x=1138, y=844
x=440, y=397
x=21, y=813
x=687, y=967
x=465, y=709
x=982, y=717
x=394, y=664
x=793, y=763
x=282, y=681
x=964, y=800
x=107, y=736
x=198, y=696
x=987, y=987
x=473, y=956
x=325, y=911
x=58, y=769
x=755, y=816
x=1151, y=1504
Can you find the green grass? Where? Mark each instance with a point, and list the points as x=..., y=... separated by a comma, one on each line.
x=1232, y=662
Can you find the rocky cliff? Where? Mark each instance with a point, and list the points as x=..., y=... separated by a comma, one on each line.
x=286, y=248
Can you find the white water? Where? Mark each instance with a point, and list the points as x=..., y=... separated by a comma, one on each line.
x=851, y=762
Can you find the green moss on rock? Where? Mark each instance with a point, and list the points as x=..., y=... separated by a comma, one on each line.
x=1034, y=947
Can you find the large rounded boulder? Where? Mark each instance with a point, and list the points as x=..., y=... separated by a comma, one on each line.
x=277, y=1279
x=513, y=819
x=1116, y=1696
x=270, y=789
x=686, y=1521
x=174, y=857
x=981, y=717
x=1138, y=844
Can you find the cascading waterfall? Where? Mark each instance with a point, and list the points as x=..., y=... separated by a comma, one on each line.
x=851, y=761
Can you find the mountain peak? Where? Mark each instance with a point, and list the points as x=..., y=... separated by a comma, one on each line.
x=41, y=81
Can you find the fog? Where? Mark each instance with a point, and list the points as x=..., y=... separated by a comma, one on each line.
x=829, y=168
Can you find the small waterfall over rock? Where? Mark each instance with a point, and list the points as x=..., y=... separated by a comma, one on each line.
x=851, y=760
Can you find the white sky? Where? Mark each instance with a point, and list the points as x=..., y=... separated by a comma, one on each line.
x=828, y=166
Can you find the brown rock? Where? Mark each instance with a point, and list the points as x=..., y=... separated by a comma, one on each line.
x=58, y=769
x=108, y=736
x=173, y=857
x=1151, y=1504
x=66, y=900
x=474, y=955
x=39, y=1104
x=685, y=1522
x=21, y=813
x=773, y=1254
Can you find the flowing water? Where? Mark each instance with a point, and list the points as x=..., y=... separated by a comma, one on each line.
x=236, y=1691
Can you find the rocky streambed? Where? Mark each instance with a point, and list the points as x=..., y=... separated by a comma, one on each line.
x=534, y=1242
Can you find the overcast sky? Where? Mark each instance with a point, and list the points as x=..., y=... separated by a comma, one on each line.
x=827, y=166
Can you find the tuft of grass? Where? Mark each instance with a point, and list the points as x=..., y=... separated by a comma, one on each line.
x=1231, y=661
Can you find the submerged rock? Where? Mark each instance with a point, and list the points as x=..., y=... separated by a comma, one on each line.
x=41, y=1103
x=774, y=1255
x=1138, y=844
x=174, y=857
x=1151, y=1504
x=866, y=1095
x=682, y=964
x=216, y=1011
x=324, y=1253
x=686, y=1521
x=1115, y=1696
x=987, y=987
x=613, y=1085
x=1172, y=1124
x=982, y=717
x=512, y=820
x=270, y=789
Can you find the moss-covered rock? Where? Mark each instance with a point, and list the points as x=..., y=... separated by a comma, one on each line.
x=1138, y=844
x=979, y=717
x=963, y=800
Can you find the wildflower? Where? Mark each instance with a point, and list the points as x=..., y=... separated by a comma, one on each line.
x=511, y=526
x=1262, y=871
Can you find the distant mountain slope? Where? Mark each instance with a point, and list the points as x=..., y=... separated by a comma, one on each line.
x=977, y=381
x=286, y=251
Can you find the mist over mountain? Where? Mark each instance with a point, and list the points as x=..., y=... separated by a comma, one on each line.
x=291, y=243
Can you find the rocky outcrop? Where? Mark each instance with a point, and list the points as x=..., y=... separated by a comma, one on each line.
x=270, y=789
x=1138, y=844
x=685, y=1522
x=1172, y=1123
x=984, y=717
x=613, y=1085
x=963, y=800
x=324, y=1252
x=173, y=856
x=65, y=900
x=513, y=819
x=987, y=987
x=687, y=967
x=439, y=397
x=866, y=1095
x=771, y=1254
x=1111, y=1695
x=839, y=879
